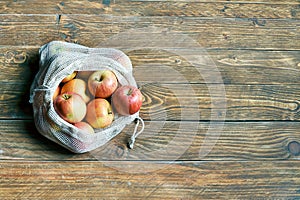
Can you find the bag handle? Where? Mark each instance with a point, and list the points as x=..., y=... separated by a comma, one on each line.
x=135, y=133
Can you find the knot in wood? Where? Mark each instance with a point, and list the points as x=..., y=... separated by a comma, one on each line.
x=294, y=148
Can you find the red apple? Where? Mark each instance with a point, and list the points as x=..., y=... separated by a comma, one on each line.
x=85, y=127
x=77, y=86
x=127, y=100
x=102, y=83
x=69, y=77
x=70, y=107
x=99, y=113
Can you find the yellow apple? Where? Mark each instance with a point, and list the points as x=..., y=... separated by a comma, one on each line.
x=99, y=113
x=78, y=86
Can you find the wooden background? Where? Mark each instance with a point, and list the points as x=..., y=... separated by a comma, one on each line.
x=254, y=44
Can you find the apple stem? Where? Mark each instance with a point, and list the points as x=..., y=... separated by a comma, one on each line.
x=130, y=91
x=66, y=96
x=99, y=79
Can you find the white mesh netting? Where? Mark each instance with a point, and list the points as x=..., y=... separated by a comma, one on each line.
x=59, y=59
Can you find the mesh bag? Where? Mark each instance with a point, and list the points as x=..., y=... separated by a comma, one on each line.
x=60, y=59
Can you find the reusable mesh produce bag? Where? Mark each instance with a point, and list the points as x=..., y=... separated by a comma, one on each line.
x=60, y=59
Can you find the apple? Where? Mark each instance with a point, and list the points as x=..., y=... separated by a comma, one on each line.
x=78, y=86
x=102, y=83
x=69, y=77
x=56, y=93
x=70, y=107
x=85, y=127
x=127, y=100
x=84, y=74
x=99, y=113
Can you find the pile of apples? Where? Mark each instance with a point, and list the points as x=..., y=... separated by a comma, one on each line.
x=88, y=99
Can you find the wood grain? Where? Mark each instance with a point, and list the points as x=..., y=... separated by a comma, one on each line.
x=34, y=30
x=238, y=141
x=205, y=180
x=247, y=102
x=220, y=1
x=228, y=9
x=235, y=66
x=254, y=45
x=172, y=102
x=19, y=30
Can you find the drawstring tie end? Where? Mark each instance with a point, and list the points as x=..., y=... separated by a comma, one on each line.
x=135, y=133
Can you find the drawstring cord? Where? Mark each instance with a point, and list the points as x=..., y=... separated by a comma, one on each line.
x=42, y=88
x=135, y=133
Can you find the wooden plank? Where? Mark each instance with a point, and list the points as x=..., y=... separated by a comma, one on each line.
x=235, y=66
x=189, y=102
x=210, y=1
x=243, y=102
x=164, y=141
x=93, y=30
x=205, y=180
x=240, y=9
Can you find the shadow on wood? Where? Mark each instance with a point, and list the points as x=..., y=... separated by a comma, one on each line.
x=31, y=63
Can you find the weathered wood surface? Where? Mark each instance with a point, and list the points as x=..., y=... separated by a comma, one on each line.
x=237, y=142
x=186, y=8
x=171, y=102
x=229, y=33
x=243, y=67
x=197, y=180
x=254, y=45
